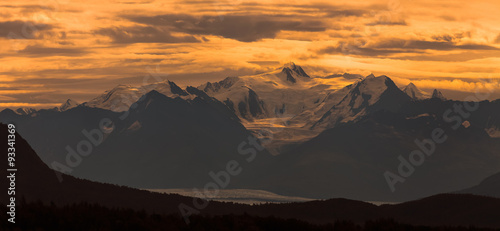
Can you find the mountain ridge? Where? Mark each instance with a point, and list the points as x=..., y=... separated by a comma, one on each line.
x=415, y=93
x=37, y=183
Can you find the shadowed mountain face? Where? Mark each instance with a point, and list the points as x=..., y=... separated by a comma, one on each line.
x=369, y=95
x=415, y=93
x=488, y=187
x=35, y=181
x=343, y=142
x=120, y=98
x=351, y=159
x=436, y=94
x=162, y=143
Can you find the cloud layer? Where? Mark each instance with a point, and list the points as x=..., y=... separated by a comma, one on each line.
x=78, y=49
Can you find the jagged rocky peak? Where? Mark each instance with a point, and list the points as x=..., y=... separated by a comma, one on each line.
x=371, y=76
x=436, y=94
x=122, y=97
x=366, y=95
x=216, y=86
x=410, y=89
x=415, y=93
x=175, y=89
x=291, y=72
x=68, y=105
x=166, y=87
x=411, y=86
x=290, y=68
x=375, y=86
x=120, y=87
x=25, y=111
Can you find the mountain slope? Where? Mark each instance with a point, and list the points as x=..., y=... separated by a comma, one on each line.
x=488, y=187
x=415, y=93
x=353, y=157
x=68, y=105
x=368, y=95
x=289, y=90
x=120, y=98
x=36, y=182
x=163, y=143
x=437, y=95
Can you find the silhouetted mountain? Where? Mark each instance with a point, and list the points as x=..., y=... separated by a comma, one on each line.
x=488, y=187
x=162, y=143
x=120, y=98
x=350, y=160
x=35, y=181
x=333, y=142
x=72, y=200
x=25, y=111
x=68, y=105
x=437, y=95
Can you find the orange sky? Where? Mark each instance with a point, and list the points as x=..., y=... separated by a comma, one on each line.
x=58, y=49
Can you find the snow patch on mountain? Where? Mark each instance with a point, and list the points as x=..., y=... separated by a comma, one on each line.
x=415, y=93
x=121, y=97
x=287, y=90
x=371, y=93
x=25, y=111
x=68, y=105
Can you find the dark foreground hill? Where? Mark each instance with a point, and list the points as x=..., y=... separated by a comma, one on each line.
x=63, y=203
x=85, y=216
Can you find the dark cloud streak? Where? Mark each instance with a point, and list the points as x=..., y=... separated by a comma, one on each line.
x=244, y=28
x=430, y=45
x=143, y=34
x=41, y=51
x=22, y=29
x=389, y=47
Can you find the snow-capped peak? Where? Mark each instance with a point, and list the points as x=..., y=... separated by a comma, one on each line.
x=290, y=68
x=290, y=65
x=415, y=93
x=411, y=85
x=68, y=105
x=122, y=97
x=374, y=87
x=370, y=76
x=371, y=93
x=216, y=86
x=25, y=111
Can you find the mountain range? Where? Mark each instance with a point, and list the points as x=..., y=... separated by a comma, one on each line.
x=39, y=193
x=162, y=142
x=321, y=140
